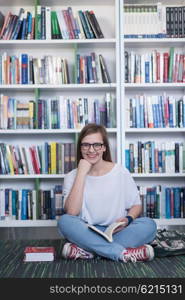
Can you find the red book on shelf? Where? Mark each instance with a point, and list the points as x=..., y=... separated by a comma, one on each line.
x=34, y=161
x=39, y=254
x=166, y=63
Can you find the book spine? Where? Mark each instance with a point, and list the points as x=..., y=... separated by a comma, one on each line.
x=24, y=69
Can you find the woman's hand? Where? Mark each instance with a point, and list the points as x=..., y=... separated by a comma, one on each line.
x=121, y=226
x=84, y=167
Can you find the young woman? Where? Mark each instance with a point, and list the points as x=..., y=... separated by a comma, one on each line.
x=100, y=192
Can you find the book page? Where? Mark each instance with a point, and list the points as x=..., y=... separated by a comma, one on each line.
x=111, y=227
x=107, y=234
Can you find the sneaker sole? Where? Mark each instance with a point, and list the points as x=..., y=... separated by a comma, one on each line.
x=151, y=252
x=65, y=250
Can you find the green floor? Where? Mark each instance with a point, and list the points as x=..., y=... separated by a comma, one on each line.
x=12, y=265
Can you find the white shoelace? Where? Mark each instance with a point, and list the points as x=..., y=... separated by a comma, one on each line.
x=134, y=255
x=78, y=252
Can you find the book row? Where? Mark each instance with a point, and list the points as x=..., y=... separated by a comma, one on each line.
x=155, y=67
x=162, y=202
x=46, y=23
x=154, y=21
x=156, y=111
x=27, y=204
x=47, y=158
x=155, y=157
x=59, y=113
x=26, y=69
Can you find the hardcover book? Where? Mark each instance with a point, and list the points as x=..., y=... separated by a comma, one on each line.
x=39, y=254
x=108, y=233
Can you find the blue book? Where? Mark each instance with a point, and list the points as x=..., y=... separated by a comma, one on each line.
x=152, y=156
x=7, y=213
x=24, y=205
x=69, y=114
x=96, y=111
x=84, y=24
x=23, y=33
x=171, y=121
x=141, y=106
x=24, y=68
x=43, y=22
x=29, y=28
x=147, y=72
x=127, y=159
x=154, y=115
x=17, y=28
x=14, y=204
x=159, y=113
x=177, y=203
x=168, y=203
x=89, y=69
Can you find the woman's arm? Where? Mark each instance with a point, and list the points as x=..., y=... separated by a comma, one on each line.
x=134, y=212
x=73, y=203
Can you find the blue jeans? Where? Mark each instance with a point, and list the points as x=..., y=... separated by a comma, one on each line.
x=141, y=231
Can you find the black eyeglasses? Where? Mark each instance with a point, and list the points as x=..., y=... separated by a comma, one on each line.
x=87, y=146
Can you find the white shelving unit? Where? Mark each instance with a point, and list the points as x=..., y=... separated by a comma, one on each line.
x=142, y=45
x=109, y=47
x=111, y=18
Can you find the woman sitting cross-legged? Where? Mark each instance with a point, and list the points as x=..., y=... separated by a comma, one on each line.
x=101, y=192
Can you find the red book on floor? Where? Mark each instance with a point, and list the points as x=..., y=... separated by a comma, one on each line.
x=39, y=254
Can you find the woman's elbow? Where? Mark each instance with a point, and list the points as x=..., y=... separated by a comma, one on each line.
x=72, y=212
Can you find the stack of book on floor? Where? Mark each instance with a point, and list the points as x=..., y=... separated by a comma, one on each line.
x=39, y=254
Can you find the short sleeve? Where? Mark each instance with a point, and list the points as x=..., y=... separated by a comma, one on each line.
x=68, y=183
x=131, y=191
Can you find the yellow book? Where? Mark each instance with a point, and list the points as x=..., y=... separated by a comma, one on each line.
x=53, y=158
x=31, y=117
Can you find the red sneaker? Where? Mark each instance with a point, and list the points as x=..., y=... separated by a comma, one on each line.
x=142, y=253
x=72, y=251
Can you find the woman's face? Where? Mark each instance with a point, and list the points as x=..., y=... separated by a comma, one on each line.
x=92, y=147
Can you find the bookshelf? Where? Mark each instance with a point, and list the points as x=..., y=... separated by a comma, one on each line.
x=112, y=47
x=109, y=47
x=131, y=89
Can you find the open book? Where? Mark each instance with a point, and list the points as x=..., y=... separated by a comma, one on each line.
x=107, y=234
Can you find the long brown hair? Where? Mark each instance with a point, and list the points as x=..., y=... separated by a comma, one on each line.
x=90, y=129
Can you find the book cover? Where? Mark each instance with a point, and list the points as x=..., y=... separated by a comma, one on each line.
x=39, y=254
x=104, y=70
x=2, y=18
x=95, y=24
x=108, y=233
